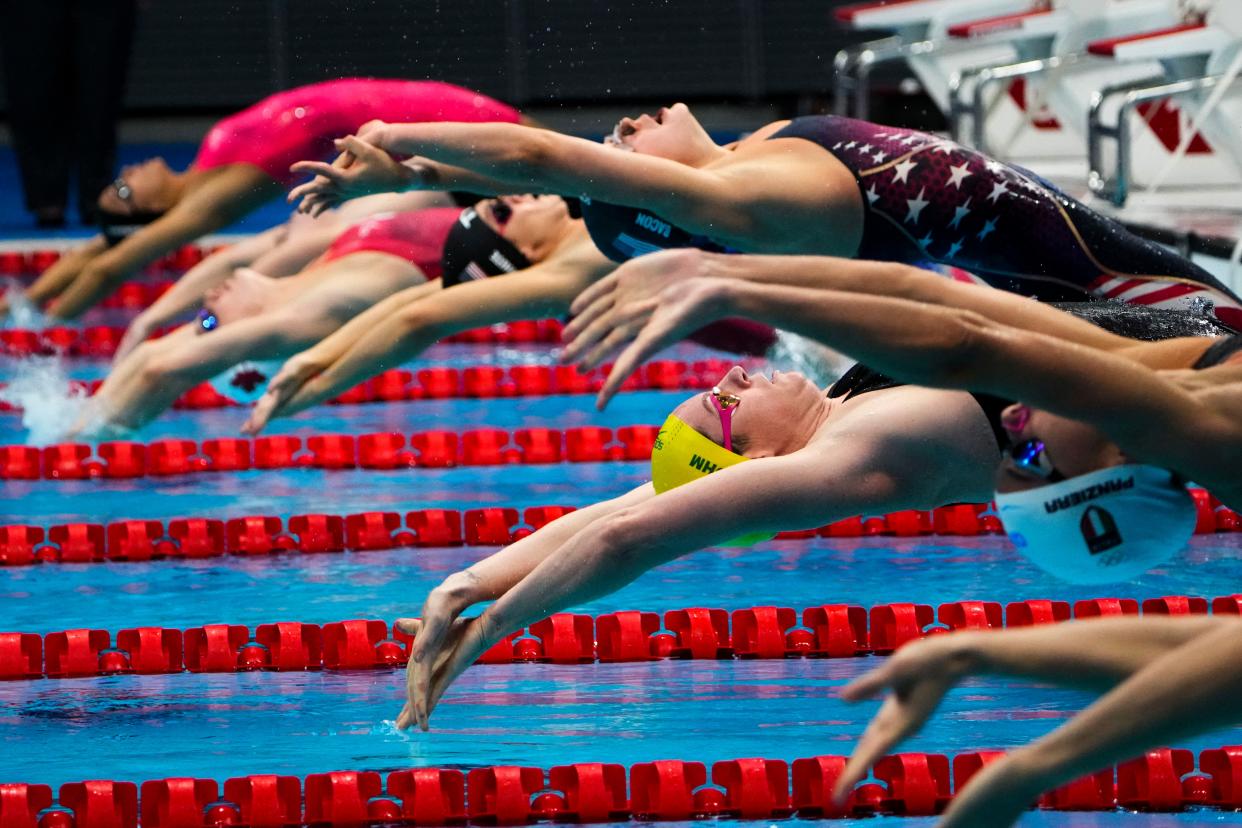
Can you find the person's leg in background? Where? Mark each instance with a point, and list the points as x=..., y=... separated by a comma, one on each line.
x=36, y=48
x=103, y=35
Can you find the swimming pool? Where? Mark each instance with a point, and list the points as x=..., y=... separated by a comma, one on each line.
x=218, y=726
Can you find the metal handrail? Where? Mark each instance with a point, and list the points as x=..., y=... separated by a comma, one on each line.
x=852, y=70
x=983, y=77
x=1117, y=189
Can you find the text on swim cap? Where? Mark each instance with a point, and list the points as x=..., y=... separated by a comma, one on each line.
x=653, y=224
x=702, y=465
x=1090, y=493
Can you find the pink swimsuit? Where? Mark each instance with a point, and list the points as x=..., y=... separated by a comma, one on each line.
x=417, y=236
x=300, y=124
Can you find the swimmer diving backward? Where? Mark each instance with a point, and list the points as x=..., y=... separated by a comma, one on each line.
x=278, y=252
x=1164, y=680
x=151, y=210
x=1102, y=406
x=815, y=185
x=787, y=457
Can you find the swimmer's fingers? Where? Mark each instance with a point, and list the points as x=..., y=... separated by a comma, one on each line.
x=881, y=735
x=587, y=316
x=616, y=339
x=650, y=340
x=870, y=685
x=588, y=329
x=593, y=294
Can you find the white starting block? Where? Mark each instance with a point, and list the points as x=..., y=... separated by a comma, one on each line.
x=1152, y=126
x=1016, y=110
x=920, y=37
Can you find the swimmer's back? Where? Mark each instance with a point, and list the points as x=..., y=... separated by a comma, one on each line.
x=301, y=123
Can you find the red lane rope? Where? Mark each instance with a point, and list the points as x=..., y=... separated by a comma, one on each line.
x=699, y=633
x=18, y=263
x=481, y=382
x=385, y=450
x=101, y=341
x=906, y=784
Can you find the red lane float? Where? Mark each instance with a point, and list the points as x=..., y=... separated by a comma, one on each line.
x=398, y=385
x=907, y=784
x=829, y=631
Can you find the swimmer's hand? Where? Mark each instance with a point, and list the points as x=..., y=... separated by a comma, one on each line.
x=679, y=311
x=444, y=646
x=612, y=311
x=361, y=169
x=280, y=398
x=917, y=677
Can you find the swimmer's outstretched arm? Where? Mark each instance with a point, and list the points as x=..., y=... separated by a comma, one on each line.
x=767, y=200
x=187, y=292
x=144, y=394
x=1169, y=677
x=943, y=347
x=612, y=311
x=833, y=480
x=217, y=202
x=439, y=625
x=546, y=289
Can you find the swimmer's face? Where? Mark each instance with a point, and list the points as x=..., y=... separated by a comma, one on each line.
x=149, y=183
x=533, y=223
x=1073, y=447
x=672, y=133
x=772, y=419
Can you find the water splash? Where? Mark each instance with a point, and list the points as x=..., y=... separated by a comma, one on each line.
x=51, y=405
x=22, y=312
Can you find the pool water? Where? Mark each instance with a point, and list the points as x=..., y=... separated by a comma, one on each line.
x=210, y=725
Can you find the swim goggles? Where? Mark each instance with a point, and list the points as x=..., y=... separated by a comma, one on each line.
x=207, y=321
x=725, y=405
x=1032, y=456
x=123, y=191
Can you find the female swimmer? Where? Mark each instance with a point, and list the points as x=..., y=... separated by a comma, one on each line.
x=150, y=210
x=373, y=270
x=399, y=330
x=1089, y=489
x=761, y=455
x=1164, y=680
x=281, y=251
x=814, y=185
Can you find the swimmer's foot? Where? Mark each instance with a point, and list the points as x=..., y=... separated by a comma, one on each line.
x=246, y=293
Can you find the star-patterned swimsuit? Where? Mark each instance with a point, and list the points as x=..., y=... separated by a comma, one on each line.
x=931, y=200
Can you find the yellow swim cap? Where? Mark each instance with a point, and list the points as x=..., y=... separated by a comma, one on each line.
x=681, y=455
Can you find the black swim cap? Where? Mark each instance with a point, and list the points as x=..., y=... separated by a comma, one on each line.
x=473, y=250
x=624, y=233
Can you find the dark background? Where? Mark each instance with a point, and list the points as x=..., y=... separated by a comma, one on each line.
x=209, y=56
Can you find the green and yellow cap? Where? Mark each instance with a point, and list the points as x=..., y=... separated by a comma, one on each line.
x=682, y=455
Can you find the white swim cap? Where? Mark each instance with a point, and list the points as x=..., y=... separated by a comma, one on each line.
x=246, y=381
x=1109, y=525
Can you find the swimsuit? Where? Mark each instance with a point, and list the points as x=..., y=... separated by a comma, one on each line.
x=417, y=236
x=301, y=123
x=1220, y=351
x=929, y=199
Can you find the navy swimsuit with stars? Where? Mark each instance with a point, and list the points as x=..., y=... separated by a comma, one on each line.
x=929, y=199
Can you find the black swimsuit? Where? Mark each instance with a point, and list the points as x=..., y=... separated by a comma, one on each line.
x=1147, y=324
x=1220, y=351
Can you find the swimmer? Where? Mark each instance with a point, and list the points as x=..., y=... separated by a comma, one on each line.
x=822, y=185
x=251, y=316
x=372, y=286
x=281, y=251
x=1163, y=681
x=151, y=210
x=1087, y=489
x=494, y=238
x=758, y=455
